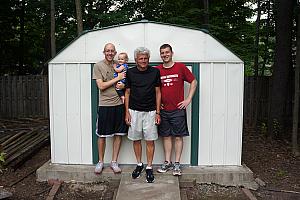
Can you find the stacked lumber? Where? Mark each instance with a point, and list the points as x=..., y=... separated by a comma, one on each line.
x=20, y=139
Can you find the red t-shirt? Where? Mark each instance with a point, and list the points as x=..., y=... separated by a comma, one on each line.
x=172, y=84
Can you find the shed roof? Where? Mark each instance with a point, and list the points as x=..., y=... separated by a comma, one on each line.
x=189, y=44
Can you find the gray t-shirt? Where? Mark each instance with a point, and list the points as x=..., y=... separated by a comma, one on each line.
x=109, y=96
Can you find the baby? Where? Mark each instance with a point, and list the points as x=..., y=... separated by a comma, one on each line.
x=120, y=68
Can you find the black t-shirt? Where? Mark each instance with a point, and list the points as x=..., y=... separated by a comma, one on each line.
x=142, y=88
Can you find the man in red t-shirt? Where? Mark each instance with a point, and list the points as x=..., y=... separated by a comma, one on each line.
x=173, y=110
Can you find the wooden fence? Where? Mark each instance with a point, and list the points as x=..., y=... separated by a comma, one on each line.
x=263, y=101
x=250, y=101
x=27, y=96
x=24, y=96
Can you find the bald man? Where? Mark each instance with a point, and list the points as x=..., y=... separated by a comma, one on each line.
x=111, y=111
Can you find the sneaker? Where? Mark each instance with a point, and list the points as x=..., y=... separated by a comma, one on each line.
x=177, y=170
x=137, y=172
x=115, y=167
x=165, y=167
x=149, y=176
x=99, y=167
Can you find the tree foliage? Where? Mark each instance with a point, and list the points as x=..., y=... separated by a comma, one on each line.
x=228, y=22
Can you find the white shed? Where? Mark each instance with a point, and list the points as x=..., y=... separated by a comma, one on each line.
x=214, y=118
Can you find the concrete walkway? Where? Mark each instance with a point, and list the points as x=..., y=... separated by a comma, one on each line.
x=164, y=188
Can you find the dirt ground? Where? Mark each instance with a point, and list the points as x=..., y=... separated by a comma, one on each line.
x=270, y=161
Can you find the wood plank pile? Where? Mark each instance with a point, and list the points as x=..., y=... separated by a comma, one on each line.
x=22, y=138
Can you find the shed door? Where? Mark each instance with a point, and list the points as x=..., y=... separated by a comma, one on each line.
x=193, y=118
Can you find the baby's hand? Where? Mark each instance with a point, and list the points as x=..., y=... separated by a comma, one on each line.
x=121, y=68
x=121, y=75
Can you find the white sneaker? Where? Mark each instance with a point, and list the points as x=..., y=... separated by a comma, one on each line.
x=115, y=167
x=166, y=166
x=176, y=170
x=99, y=167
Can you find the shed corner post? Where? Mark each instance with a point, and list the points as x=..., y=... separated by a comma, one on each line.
x=195, y=118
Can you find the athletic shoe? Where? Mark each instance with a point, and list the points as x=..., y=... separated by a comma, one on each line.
x=177, y=170
x=165, y=167
x=99, y=167
x=137, y=172
x=149, y=176
x=115, y=167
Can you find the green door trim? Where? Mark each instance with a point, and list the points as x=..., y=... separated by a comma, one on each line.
x=94, y=107
x=195, y=118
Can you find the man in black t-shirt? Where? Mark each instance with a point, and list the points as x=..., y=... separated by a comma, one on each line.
x=142, y=105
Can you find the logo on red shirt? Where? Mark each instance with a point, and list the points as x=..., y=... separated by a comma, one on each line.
x=169, y=79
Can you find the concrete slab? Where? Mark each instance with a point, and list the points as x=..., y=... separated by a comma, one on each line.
x=222, y=175
x=164, y=188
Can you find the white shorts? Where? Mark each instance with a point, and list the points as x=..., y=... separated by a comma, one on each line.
x=142, y=126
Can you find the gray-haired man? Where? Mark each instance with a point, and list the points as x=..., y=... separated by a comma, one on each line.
x=142, y=107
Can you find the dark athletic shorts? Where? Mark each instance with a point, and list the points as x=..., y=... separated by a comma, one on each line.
x=173, y=123
x=111, y=121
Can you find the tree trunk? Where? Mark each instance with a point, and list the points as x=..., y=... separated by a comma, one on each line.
x=256, y=68
x=79, y=17
x=296, y=97
x=282, y=66
x=52, y=36
x=22, y=32
x=262, y=74
x=206, y=15
x=267, y=38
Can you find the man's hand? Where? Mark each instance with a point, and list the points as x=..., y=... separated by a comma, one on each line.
x=128, y=118
x=120, y=86
x=157, y=119
x=183, y=104
x=121, y=75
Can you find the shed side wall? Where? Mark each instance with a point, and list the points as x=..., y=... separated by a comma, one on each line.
x=221, y=98
x=70, y=113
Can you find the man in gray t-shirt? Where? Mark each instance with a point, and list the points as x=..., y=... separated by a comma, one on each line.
x=110, y=119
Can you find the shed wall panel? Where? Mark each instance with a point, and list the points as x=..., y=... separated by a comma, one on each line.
x=205, y=114
x=221, y=93
x=70, y=113
x=86, y=116
x=232, y=139
x=218, y=113
x=59, y=141
x=73, y=113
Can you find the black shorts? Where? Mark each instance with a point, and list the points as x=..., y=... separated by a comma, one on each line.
x=173, y=123
x=111, y=121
